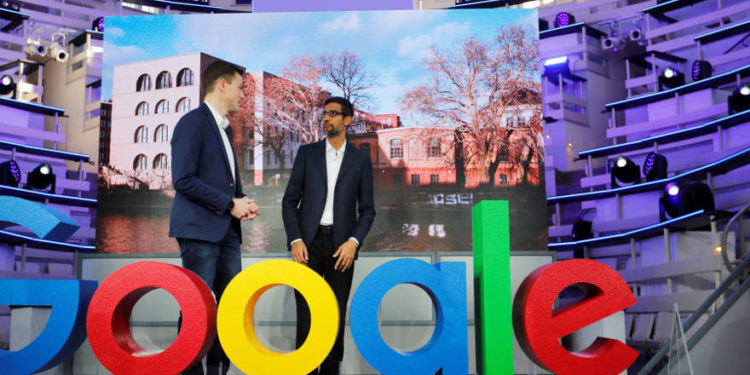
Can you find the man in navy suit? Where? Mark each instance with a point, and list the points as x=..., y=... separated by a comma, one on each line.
x=328, y=208
x=209, y=203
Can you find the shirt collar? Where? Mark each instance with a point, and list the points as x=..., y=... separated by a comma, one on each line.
x=222, y=121
x=330, y=148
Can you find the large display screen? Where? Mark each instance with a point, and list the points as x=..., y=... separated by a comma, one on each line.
x=447, y=105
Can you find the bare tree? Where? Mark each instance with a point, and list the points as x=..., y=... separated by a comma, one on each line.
x=472, y=86
x=346, y=71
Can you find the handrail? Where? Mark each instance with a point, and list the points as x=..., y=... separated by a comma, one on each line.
x=718, y=292
x=725, y=234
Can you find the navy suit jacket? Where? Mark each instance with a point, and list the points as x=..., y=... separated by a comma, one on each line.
x=305, y=195
x=202, y=179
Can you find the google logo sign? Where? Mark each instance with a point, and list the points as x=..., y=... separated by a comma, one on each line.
x=81, y=309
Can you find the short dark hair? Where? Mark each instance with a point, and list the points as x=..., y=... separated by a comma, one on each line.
x=346, y=106
x=218, y=70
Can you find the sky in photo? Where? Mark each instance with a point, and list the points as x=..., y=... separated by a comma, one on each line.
x=391, y=44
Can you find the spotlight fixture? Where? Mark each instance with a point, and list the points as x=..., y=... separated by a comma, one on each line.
x=612, y=43
x=655, y=167
x=701, y=69
x=624, y=171
x=35, y=47
x=10, y=173
x=564, y=19
x=41, y=178
x=98, y=24
x=681, y=198
x=740, y=99
x=671, y=78
x=58, y=52
x=556, y=65
x=636, y=34
x=7, y=86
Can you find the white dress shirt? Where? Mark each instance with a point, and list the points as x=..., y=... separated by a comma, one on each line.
x=334, y=158
x=222, y=122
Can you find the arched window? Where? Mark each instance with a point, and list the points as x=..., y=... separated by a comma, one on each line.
x=162, y=106
x=140, y=162
x=161, y=134
x=160, y=162
x=163, y=80
x=433, y=147
x=144, y=83
x=185, y=77
x=397, y=148
x=141, y=109
x=183, y=105
x=141, y=134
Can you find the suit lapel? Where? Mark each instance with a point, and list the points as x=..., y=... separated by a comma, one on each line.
x=348, y=159
x=320, y=155
x=217, y=136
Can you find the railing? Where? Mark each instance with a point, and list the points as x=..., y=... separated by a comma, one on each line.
x=729, y=264
x=702, y=309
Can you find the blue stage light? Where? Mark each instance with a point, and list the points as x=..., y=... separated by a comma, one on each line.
x=624, y=171
x=556, y=60
x=671, y=78
x=42, y=178
x=740, y=99
x=680, y=198
x=556, y=65
x=7, y=86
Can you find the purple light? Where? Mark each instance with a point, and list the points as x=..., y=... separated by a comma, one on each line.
x=100, y=24
x=649, y=163
x=15, y=171
x=563, y=19
x=701, y=69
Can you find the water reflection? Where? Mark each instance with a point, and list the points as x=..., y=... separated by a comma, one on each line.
x=405, y=221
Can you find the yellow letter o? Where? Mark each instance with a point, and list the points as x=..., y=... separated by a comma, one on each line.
x=234, y=319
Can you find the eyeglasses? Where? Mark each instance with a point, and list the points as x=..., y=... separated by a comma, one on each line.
x=332, y=113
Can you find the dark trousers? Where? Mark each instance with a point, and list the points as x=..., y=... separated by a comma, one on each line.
x=321, y=260
x=216, y=263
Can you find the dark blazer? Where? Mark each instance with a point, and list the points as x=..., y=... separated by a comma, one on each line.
x=305, y=195
x=202, y=179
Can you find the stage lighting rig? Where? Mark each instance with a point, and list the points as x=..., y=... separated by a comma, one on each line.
x=624, y=171
x=680, y=198
x=41, y=178
x=655, y=166
x=671, y=78
x=10, y=173
x=702, y=69
x=740, y=99
x=563, y=19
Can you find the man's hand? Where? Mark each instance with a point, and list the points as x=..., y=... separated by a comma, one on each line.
x=345, y=253
x=299, y=252
x=241, y=207
x=253, y=210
